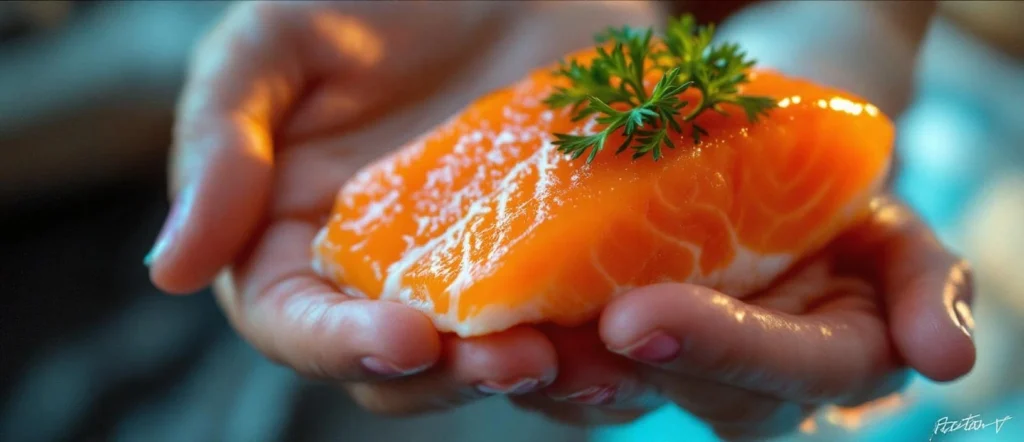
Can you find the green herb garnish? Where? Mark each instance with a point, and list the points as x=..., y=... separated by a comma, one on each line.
x=687, y=59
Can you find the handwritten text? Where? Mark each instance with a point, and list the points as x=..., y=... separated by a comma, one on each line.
x=973, y=422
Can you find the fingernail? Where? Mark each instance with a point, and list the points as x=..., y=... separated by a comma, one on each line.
x=381, y=367
x=965, y=319
x=168, y=231
x=598, y=395
x=956, y=293
x=521, y=386
x=656, y=348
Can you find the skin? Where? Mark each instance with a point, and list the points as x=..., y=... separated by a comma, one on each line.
x=280, y=109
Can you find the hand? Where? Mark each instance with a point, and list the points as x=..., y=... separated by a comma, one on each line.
x=284, y=102
x=761, y=374
x=843, y=327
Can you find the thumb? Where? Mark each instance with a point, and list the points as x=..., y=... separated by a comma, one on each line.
x=696, y=331
x=928, y=291
x=247, y=78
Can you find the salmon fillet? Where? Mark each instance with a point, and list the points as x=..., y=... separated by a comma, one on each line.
x=482, y=224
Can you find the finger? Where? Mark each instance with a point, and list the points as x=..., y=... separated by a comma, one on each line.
x=588, y=374
x=283, y=309
x=699, y=332
x=929, y=291
x=242, y=81
x=513, y=362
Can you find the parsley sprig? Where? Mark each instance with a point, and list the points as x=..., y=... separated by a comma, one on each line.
x=686, y=58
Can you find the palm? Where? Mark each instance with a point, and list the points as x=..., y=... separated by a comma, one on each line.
x=347, y=120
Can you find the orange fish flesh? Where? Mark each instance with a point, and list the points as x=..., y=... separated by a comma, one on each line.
x=483, y=225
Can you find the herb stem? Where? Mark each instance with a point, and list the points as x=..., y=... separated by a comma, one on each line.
x=639, y=89
x=697, y=110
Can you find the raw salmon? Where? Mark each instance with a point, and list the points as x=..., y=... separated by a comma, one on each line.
x=483, y=225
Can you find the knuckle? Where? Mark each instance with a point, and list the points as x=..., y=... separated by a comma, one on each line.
x=303, y=333
x=317, y=366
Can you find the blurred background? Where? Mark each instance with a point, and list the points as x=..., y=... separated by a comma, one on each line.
x=89, y=350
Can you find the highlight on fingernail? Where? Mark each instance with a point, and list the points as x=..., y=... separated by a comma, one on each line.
x=172, y=224
x=381, y=367
x=162, y=239
x=964, y=317
x=956, y=294
x=517, y=387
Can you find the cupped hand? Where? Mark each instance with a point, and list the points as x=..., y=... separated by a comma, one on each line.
x=844, y=327
x=285, y=101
